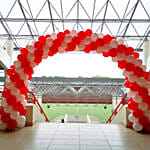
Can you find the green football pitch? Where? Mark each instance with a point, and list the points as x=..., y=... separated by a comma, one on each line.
x=101, y=111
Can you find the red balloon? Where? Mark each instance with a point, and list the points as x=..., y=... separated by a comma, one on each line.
x=56, y=43
x=129, y=51
x=5, y=117
x=22, y=57
x=132, y=105
x=6, y=92
x=127, y=84
x=130, y=124
x=50, y=53
x=81, y=35
x=146, y=76
x=87, y=49
x=88, y=32
x=42, y=40
x=24, y=51
x=136, y=55
x=38, y=45
x=29, y=71
x=138, y=71
x=144, y=121
x=146, y=99
x=11, y=100
x=122, y=64
x=61, y=36
x=147, y=127
x=113, y=52
x=37, y=60
x=12, y=124
x=66, y=32
x=107, y=38
x=105, y=54
x=70, y=46
x=14, y=77
x=129, y=66
x=121, y=48
x=2, y=111
x=23, y=111
x=10, y=71
x=53, y=49
x=138, y=113
x=93, y=46
x=75, y=40
x=38, y=53
x=134, y=87
x=47, y=36
x=17, y=106
x=25, y=64
x=100, y=42
x=143, y=91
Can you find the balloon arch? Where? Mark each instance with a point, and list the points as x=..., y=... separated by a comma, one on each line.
x=13, y=110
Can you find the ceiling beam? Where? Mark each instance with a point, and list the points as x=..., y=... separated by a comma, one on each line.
x=25, y=19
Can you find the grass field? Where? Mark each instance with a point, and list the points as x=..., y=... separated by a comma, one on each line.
x=58, y=109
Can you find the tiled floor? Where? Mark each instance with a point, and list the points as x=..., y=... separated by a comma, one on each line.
x=48, y=136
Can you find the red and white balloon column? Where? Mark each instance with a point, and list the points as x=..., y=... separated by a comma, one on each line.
x=13, y=110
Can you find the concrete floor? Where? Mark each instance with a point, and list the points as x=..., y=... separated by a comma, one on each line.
x=50, y=136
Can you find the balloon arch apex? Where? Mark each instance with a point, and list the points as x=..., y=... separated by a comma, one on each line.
x=13, y=110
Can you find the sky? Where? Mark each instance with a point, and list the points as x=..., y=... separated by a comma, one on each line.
x=77, y=65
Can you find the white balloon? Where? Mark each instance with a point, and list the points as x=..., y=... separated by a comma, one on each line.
x=27, y=83
x=15, y=91
x=147, y=113
x=73, y=33
x=101, y=35
x=139, y=62
x=137, y=127
x=49, y=42
x=115, y=59
x=53, y=36
x=17, y=64
x=131, y=93
x=132, y=78
x=8, y=108
x=24, y=103
x=114, y=44
x=106, y=47
x=99, y=50
x=131, y=118
x=120, y=41
x=137, y=98
x=7, y=80
x=10, y=85
x=45, y=56
x=31, y=57
x=23, y=76
x=31, y=49
x=94, y=36
x=143, y=106
x=68, y=39
x=87, y=40
x=3, y=102
x=20, y=98
x=21, y=121
x=14, y=115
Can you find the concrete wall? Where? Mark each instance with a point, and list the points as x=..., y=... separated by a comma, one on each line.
x=33, y=115
x=146, y=51
x=122, y=116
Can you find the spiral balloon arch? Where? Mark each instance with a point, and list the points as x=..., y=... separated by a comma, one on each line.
x=13, y=110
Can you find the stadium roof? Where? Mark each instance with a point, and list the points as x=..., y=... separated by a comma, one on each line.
x=23, y=20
